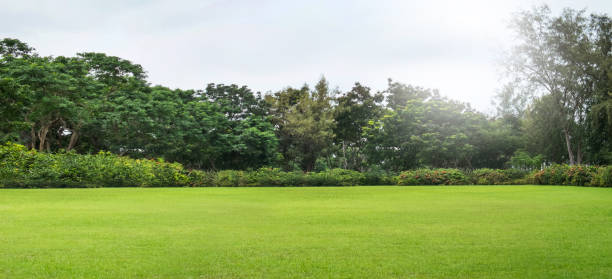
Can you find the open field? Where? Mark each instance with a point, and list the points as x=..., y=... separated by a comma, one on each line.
x=348, y=232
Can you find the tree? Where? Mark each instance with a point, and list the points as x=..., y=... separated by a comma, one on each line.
x=354, y=110
x=119, y=111
x=54, y=96
x=599, y=119
x=304, y=123
x=555, y=55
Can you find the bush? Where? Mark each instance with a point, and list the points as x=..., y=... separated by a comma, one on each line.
x=580, y=175
x=375, y=177
x=489, y=177
x=565, y=175
x=20, y=167
x=602, y=177
x=432, y=177
x=267, y=176
x=27, y=168
x=198, y=178
x=335, y=177
x=553, y=175
x=231, y=178
x=515, y=174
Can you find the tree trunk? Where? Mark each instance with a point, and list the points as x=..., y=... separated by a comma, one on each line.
x=579, y=154
x=73, y=140
x=344, y=155
x=569, y=146
x=42, y=136
x=355, y=157
x=33, y=135
x=32, y=132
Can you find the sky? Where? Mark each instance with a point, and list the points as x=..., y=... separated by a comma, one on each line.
x=453, y=46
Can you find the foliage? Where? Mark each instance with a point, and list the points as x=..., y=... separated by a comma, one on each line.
x=557, y=104
x=304, y=121
x=432, y=177
x=578, y=175
x=335, y=177
x=566, y=61
x=498, y=176
x=603, y=177
x=378, y=176
x=523, y=161
x=355, y=109
x=28, y=168
x=231, y=178
x=22, y=167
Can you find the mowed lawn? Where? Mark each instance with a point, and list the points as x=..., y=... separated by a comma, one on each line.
x=326, y=232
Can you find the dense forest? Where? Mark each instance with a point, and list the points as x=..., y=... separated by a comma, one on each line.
x=556, y=107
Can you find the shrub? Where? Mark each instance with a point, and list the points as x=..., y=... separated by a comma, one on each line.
x=553, y=175
x=169, y=174
x=198, y=178
x=580, y=175
x=378, y=177
x=515, y=174
x=602, y=177
x=489, y=177
x=523, y=160
x=231, y=178
x=20, y=167
x=27, y=168
x=565, y=175
x=432, y=177
x=335, y=177
x=267, y=176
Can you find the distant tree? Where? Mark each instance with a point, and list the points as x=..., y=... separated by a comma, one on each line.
x=304, y=122
x=558, y=56
x=354, y=110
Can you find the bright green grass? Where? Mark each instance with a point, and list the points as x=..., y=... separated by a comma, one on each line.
x=348, y=232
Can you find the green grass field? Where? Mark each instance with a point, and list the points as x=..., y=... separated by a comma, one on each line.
x=328, y=232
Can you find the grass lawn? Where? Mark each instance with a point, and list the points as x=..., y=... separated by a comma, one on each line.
x=327, y=232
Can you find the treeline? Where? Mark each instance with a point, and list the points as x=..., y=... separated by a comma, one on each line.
x=557, y=109
x=94, y=102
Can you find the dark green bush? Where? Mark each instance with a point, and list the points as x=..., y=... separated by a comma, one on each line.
x=515, y=174
x=432, y=177
x=378, y=176
x=335, y=177
x=198, y=178
x=231, y=178
x=267, y=176
x=602, y=177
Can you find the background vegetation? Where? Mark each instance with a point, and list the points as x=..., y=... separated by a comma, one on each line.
x=20, y=167
x=555, y=109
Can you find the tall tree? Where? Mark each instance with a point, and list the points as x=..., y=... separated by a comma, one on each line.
x=555, y=54
x=354, y=110
x=304, y=122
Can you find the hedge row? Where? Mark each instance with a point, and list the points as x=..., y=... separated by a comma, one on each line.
x=23, y=168
x=598, y=176
x=20, y=167
x=459, y=177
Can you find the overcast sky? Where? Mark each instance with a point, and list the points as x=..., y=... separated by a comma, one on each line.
x=453, y=46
